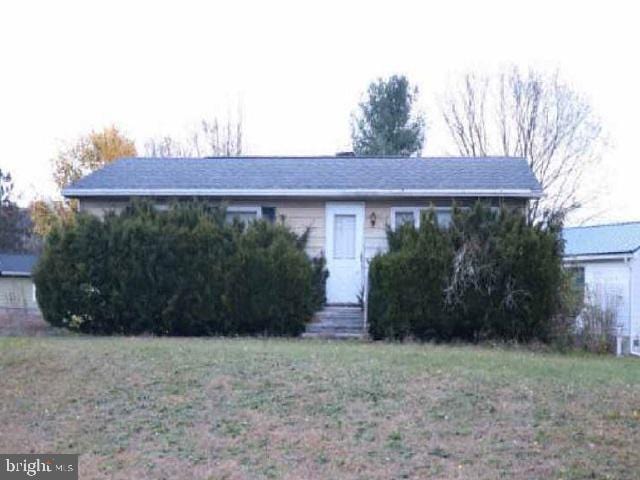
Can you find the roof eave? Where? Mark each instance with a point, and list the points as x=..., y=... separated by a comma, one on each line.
x=11, y=273
x=598, y=256
x=188, y=192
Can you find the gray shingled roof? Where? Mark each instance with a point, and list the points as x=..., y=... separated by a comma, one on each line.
x=17, y=263
x=614, y=238
x=259, y=175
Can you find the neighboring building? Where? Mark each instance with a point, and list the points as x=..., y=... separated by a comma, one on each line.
x=346, y=202
x=17, y=291
x=606, y=262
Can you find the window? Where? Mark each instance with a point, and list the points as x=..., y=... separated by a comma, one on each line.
x=245, y=217
x=244, y=214
x=577, y=279
x=269, y=214
x=411, y=215
x=444, y=217
x=577, y=285
x=402, y=217
x=344, y=236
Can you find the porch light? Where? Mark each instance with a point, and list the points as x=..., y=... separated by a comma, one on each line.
x=372, y=219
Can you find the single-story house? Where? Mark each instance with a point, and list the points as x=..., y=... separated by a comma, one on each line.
x=17, y=290
x=606, y=262
x=346, y=201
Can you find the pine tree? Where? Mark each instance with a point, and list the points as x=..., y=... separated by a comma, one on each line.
x=386, y=123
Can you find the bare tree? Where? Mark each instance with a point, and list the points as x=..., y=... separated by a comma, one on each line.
x=210, y=138
x=530, y=115
x=164, y=146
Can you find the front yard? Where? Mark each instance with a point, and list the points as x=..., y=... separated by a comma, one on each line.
x=214, y=408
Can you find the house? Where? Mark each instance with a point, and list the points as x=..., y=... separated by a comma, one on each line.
x=346, y=202
x=606, y=262
x=17, y=291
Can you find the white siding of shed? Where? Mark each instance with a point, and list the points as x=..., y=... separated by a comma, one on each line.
x=634, y=296
x=608, y=282
x=17, y=293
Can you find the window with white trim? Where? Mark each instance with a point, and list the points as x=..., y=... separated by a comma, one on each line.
x=444, y=217
x=405, y=216
x=412, y=215
x=245, y=214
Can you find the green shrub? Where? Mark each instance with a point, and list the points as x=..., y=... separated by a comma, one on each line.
x=490, y=275
x=269, y=282
x=406, y=292
x=184, y=271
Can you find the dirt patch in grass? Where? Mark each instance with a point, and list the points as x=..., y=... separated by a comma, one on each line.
x=236, y=409
x=25, y=322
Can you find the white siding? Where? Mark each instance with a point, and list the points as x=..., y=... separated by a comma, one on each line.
x=375, y=236
x=300, y=215
x=634, y=296
x=17, y=292
x=608, y=282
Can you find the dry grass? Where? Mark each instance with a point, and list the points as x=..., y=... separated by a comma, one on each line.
x=235, y=409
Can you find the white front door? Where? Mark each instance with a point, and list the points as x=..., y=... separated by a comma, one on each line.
x=344, y=242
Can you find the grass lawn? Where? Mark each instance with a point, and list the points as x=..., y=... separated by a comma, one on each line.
x=139, y=408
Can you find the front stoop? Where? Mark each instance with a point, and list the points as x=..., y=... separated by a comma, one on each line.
x=337, y=321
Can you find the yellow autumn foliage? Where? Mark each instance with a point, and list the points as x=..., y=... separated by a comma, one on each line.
x=90, y=152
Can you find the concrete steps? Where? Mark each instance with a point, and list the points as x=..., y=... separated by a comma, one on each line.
x=337, y=321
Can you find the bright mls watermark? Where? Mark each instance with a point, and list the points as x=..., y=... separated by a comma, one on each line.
x=35, y=466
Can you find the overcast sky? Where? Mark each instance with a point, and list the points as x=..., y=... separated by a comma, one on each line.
x=297, y=69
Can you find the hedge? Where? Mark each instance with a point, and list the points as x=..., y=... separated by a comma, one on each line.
x=184, y=271
x=490, y=275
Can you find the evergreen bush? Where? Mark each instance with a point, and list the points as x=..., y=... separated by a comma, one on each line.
x=184, y=271
x=490, y=275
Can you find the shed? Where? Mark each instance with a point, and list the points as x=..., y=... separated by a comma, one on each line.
x=17, y=290
x=606, y=261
